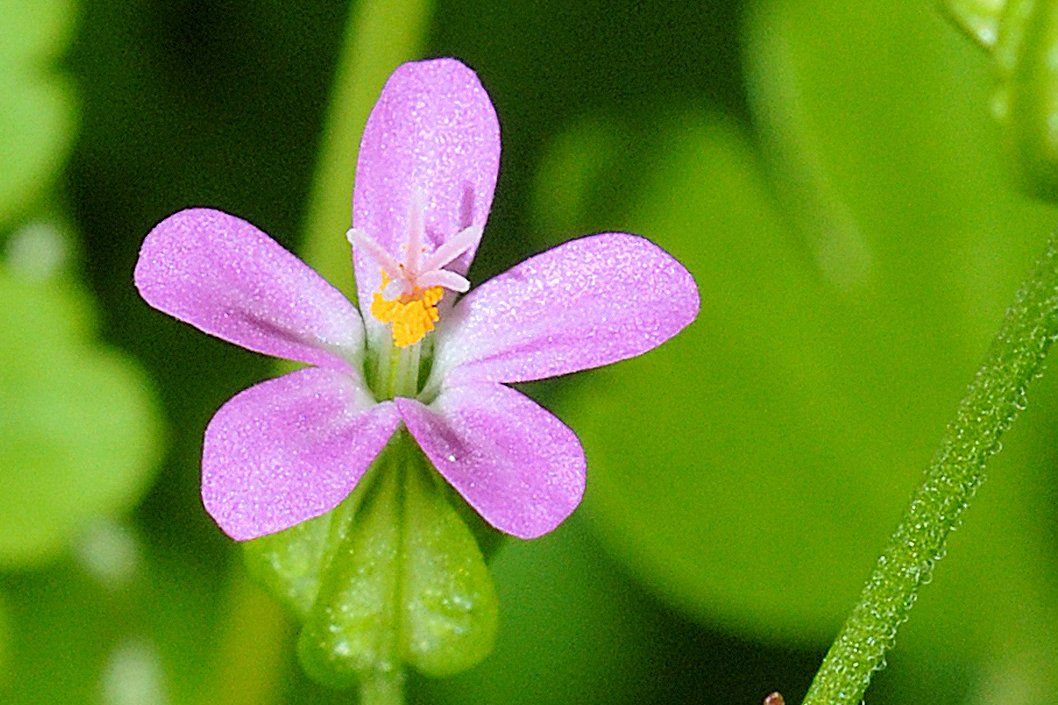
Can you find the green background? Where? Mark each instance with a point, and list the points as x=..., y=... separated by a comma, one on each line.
x=828, y=171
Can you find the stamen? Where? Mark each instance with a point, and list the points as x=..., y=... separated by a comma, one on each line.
x=452, y=248
x=409, y=291
x=389, y=264
x=412, y=316
x=444, y=278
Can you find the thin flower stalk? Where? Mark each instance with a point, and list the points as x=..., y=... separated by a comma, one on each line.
x=994, y=399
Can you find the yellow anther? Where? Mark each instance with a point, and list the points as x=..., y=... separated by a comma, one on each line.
x=412, y=315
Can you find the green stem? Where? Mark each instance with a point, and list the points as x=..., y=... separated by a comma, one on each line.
x=992, y=402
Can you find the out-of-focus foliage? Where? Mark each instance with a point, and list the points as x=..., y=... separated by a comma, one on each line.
x=980, y=19
x=78, y=430
x=132, y=626
x=854, y=263
x=36, y=105
x=4, y=636
x=846, y=303
x=1022, y=36
x=566, y=632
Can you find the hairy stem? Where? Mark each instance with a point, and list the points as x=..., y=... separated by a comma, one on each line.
x=994, y=399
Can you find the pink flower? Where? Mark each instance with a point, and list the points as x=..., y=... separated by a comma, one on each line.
x=292, y=448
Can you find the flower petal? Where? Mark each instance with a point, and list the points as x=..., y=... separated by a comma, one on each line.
x=433, y=131
x=290, y=449
x=586, y=303
x=513, y=461
x=227, y=278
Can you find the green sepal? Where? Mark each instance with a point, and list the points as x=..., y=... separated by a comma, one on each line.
x=450, y=609
x=288, y=564
x=392, y=577
x=489, y=540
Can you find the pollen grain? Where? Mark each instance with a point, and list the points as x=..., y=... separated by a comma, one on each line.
x=412, y=316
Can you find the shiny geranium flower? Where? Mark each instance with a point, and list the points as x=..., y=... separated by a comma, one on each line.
x=292, y=448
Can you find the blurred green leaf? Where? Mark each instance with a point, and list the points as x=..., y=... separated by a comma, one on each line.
x=571, y=631
x=980, y=19
x=83, y=639
x=779, y=437
x=37, y=112
x=35, y=31
x=1022, y=37
x=36, y=128
x=881, y=110
x=79, y=434
x=1026, y=100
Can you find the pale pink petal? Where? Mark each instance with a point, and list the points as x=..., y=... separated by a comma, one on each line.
x=227, y=278
x=433, y=130
x=585, y=303
x=520, y=467
x=290, y=449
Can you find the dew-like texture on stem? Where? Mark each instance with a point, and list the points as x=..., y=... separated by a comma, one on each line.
x=585, y=303
x=290, y=449
x=224, y=276
x=433, y=131
x=517, y=464
x=994, y=399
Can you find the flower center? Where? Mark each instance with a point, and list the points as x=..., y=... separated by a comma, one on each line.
x=413, y=285
x=411, y=315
